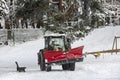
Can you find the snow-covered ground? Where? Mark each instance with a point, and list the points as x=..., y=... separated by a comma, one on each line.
x=106, y=67
x=100, y=39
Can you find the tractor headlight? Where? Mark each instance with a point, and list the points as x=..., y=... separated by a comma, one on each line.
x=46, y=60
x=64, y=53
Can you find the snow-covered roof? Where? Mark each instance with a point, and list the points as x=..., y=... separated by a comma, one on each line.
x=54, y=35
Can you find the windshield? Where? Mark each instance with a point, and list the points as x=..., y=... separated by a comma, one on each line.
x=57, y=43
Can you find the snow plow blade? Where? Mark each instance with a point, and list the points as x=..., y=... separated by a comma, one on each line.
x=59, y=62
x=75, y=52
x=60, y=57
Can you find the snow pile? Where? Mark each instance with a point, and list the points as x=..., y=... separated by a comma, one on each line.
x=99, y=39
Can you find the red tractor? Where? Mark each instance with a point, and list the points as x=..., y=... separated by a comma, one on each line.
x=58, y=51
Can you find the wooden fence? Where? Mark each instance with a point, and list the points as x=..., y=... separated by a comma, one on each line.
x=19, y=35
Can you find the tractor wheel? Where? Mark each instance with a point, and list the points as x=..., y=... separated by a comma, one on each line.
x=65, y=66
x=42, y=62
x=71, y=66
x=48, y=68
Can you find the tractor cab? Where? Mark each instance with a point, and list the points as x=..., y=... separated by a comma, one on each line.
x=57, y=42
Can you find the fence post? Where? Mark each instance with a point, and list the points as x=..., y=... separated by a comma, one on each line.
x=9, y=32
x=13, y=36
x=116, y=45
x=113, y=43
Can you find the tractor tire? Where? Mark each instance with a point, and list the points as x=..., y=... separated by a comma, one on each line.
x=42, y=61
x=71, y=66
x=65, y=66
x=48, y=68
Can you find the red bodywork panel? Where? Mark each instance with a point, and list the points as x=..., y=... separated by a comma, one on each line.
x=53, y=55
